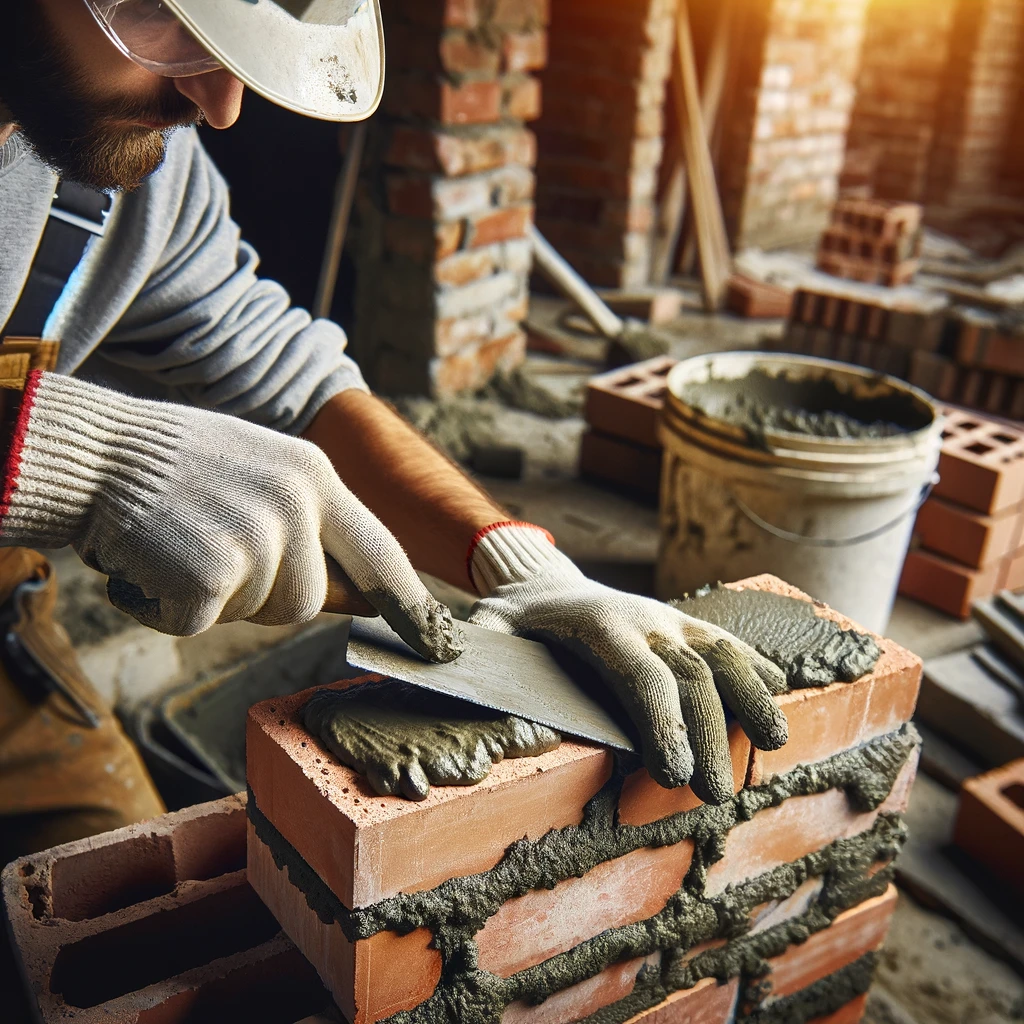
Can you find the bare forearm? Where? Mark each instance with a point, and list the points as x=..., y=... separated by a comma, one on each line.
x=426, y=501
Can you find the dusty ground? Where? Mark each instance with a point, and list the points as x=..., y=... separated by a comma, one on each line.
x=934, y=972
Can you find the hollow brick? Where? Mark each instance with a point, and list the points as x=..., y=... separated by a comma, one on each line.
x=144, y=924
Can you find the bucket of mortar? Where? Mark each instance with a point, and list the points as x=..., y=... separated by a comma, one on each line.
x=805, y=468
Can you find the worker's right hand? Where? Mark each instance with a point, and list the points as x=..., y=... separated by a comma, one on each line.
x=198, y=517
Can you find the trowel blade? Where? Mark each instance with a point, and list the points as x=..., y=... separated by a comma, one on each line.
x=506, y=673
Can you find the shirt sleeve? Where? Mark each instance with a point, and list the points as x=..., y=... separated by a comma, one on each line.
x=198, y=325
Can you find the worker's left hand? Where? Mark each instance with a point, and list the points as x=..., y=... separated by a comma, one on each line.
x=670, y=671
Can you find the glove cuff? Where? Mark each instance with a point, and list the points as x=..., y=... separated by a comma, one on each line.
x=510, y=553
x=73, y=441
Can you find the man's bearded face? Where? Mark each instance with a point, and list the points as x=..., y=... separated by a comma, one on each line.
x=110, y=138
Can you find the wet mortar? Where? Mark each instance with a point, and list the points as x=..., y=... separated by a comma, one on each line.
x=761, y=402
x=404, y=739
x=811, y=650
x=457, y=909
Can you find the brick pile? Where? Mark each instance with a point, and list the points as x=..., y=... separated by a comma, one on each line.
x=785, y=127
x=442, y=257
x=566, y=888
x=990, y=822
x=970, y=532
x=964, y=356
x=877, y=241
x=981, y=88
x=903, y=64
x=622, y=409
x=600, y=135
x=155, y=924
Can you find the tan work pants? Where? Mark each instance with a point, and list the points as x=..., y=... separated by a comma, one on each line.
x=67, y=770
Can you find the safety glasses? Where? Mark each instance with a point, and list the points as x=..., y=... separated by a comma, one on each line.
x=151, y=34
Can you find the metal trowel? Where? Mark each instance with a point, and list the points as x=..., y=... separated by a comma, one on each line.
x=506, y=673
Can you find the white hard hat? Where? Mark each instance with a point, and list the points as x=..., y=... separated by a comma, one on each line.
x=323, y=58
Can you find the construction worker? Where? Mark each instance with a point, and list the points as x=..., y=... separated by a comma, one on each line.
x=203, y=443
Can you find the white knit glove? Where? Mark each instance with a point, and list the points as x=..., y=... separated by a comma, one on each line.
x=670, y=672
x=198, y=517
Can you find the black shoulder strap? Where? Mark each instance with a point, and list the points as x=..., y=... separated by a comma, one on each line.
x=77, y=216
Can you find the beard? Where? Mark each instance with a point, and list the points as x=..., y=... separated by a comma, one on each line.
x=86, y=139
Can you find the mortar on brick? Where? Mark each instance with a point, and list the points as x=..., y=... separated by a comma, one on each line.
x=457, y=909
x=811, y=650
x=405, y=739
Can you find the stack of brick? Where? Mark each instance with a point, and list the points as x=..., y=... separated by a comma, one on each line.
x=963, y=356
x=442, y=258
x=155, y=924
x=854, y=326
x=877, y=241
x=600, y=135
x=785, y=127
x=621, y=446
x=903, y=64
x=981, y=90
x=970, y=532
x=569, y=887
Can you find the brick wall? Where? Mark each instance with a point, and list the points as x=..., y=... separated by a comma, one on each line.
x=788, y=116
x=571, y=887
x=978, y=101
x=600, y=135
x=447, y=195
x=905, y=56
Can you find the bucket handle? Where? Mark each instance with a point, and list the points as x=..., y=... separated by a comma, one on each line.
x=841, y=542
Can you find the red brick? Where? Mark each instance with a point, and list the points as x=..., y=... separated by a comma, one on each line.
x=462, y=54
x=706, y=1003
x=546, y=922
x=758, y=299
x=369, y=979
x=947, y=585
x=149, y=922
x=520, y=14
x=824, y=720
x=852, y=1013
x=422, y=239
x=627, y=402
x=471, y=370
x=852, y=934
x=470, y=102
x=799, y=826
x=982, y=463
x=611, y=460
x=521, y=97
x=463, y=267
x=441, y=198
x=643, y=800
x=381, y=846
x=990, y=822
x=499, y=225
x=425, y=149
x=579, y=1001
x=524, y=51
x=966, y=536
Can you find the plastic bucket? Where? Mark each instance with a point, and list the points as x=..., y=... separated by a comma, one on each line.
x=832, y=515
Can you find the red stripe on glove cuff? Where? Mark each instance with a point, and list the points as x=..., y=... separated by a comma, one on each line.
x=496, y=526
x=12, y=467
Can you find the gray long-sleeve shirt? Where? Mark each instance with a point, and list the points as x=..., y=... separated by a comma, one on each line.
x=167, y=303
